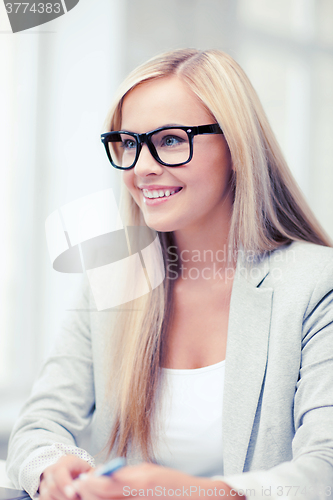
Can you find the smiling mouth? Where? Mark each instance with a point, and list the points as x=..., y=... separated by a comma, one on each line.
x=160, y=193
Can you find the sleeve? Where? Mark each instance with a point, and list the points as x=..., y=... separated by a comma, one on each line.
x=309, y=475
x=61, y=404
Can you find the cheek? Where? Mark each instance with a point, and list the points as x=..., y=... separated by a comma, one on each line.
x=128, y=179
x=211, y=171
x=213, y=178
x=220, y=167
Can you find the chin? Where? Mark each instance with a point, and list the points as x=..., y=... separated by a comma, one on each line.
x=162, y=227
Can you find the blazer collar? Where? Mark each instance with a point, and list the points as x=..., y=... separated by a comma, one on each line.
x=246, y=358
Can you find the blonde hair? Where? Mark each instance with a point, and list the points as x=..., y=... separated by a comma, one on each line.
x=269, y=210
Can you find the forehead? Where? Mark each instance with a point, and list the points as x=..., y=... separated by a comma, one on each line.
x=161, y=102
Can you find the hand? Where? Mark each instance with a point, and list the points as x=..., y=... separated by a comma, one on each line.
x=56, y=480
x=134, y=481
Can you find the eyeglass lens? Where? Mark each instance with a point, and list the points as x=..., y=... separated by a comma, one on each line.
x=172, y=147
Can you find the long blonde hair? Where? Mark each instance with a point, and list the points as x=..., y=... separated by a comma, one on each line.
x=269, y=210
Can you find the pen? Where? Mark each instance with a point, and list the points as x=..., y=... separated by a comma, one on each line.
x=109, y=468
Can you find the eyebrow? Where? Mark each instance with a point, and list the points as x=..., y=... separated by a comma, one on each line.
x=173, y=125
x=161, y=126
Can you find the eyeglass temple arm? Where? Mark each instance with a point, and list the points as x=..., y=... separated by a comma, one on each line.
x=207, y=129
x=113, y=138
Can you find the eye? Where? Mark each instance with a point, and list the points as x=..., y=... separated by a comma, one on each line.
x=128, y=144
x=171, y=141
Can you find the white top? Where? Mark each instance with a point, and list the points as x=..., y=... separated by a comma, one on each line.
x=190, y=431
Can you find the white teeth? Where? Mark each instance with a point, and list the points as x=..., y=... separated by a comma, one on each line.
x=157, y=194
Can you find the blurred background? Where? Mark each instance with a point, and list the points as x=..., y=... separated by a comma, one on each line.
x=56, y=83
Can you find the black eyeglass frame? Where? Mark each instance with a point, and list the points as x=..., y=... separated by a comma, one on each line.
x=146, y=138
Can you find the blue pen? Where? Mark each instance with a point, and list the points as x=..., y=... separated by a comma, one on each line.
x=109, y=468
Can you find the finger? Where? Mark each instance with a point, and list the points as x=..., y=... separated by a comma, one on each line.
x=48, y=489
x=56, y=480
x=79, y=466
x=101, y=487
x=74, y=465
x=43, y=492
x=69, y=468
x=64, y=482
x=84, y=492
x=130, y=472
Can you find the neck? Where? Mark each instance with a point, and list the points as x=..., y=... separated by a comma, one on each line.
x=203, y=252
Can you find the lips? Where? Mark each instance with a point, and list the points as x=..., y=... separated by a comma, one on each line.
x=157, y=187
x=154, y=194
x=159, y=199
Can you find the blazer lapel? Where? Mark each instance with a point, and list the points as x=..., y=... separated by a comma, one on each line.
x=246, y=358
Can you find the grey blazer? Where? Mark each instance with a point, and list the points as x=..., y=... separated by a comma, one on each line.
x=278, y=393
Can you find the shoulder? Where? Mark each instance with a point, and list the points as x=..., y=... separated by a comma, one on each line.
x=301, y=274
x=304, y=251
x=301, y=259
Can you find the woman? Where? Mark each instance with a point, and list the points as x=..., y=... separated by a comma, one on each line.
x=252, y=330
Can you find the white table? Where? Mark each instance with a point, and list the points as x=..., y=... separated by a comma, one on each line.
x=4, y=481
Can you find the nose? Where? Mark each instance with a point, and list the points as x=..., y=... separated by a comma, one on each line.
x=146, y=164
